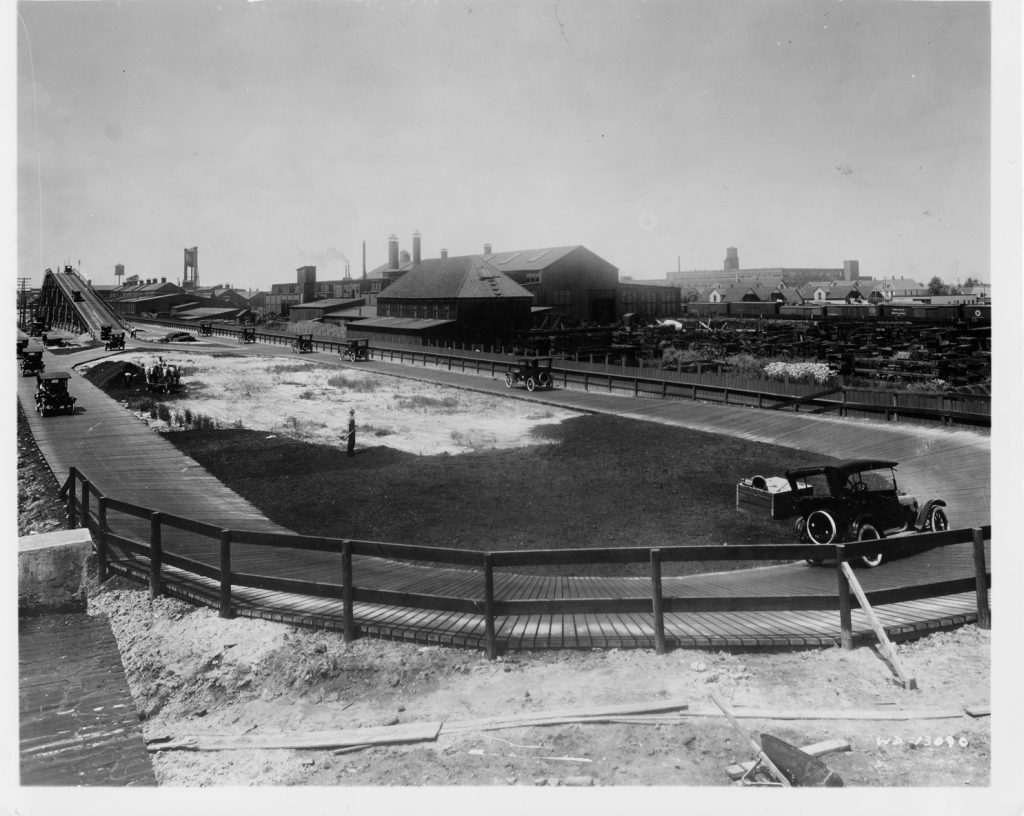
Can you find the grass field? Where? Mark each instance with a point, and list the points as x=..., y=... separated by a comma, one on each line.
x=607, y=482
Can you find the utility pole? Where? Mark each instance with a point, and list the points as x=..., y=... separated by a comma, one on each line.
x=23, y=290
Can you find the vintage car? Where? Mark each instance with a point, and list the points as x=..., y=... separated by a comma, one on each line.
x=52, y=395
x=105, y=332
x=859, y=500
x=535, y=372
x=355, y=350
x=247, y=335
x=32, y=361
x=206, y=329
x=302, y=344
x=177, y=337
x=114, y=342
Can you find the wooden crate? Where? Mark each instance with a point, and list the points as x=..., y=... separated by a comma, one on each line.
x=777, y=506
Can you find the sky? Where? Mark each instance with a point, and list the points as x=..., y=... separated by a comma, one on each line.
x=273, y=135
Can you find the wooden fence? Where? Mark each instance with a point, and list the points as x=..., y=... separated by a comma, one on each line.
x=639, y=381
x=87, y=507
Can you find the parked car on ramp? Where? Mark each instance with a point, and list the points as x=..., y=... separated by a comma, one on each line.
x=859, y=500
x=177, y=337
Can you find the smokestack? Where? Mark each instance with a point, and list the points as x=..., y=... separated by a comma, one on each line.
x=851, y=270
x=487, y=249
x=163, y=280
x=392, y=252
x=444, y=253
x=364, y=260
x=416, y=248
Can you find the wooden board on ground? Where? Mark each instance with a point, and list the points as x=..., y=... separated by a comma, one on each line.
x=592, y=714
x=381, y=735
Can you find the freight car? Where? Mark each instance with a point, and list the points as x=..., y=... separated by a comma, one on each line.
x=976, y=315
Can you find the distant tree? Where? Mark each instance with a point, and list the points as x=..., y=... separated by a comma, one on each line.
x=937, y=287
x=971, y=282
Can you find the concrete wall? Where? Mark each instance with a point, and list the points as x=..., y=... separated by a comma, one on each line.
x=52, y=572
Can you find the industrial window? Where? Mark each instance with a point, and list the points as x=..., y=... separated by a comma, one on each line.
x=533, y=277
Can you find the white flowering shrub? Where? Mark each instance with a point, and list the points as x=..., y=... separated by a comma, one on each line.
x=799, y=372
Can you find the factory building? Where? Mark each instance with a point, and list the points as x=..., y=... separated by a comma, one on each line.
x=464, y=299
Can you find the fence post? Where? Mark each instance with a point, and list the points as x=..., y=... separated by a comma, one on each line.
x=156, y=555
x=101, y=540
x=845, y=618
x=346, y=591
x=72, y=488
x=842, y=405
x=225, y=574
x=656, y=606
x=492, y=642
x=83, y=508
x=981, y=580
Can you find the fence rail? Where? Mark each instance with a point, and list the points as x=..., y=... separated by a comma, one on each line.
x=657, y=603
x=657, y=382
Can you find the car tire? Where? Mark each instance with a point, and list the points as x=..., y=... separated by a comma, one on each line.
x=821, y=527
x=531, y=384
x=544, y=378
x=937, y=520
x=869, y=532
x=508, y=380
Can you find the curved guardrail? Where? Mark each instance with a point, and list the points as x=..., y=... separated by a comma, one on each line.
x=89, y=508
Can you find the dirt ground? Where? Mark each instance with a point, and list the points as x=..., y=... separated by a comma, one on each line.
x=192, y=673
x=307, y=400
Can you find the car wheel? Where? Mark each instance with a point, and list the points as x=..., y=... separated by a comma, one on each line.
x=821, y=527
x=868, y=532
x=508, y=380
x=531, y=384
x=937, y=521
x=545, y=379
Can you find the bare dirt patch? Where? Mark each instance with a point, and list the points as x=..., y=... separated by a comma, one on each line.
x=308, y=400
x=192, y=673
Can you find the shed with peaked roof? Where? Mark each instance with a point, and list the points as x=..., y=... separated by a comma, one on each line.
x=572, y=280
x=479, y=302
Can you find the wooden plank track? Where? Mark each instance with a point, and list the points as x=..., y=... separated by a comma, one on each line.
x=126, y=460
x=78, y=723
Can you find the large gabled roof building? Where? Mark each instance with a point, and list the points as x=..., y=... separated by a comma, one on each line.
x=570, y=280
x=460, y=299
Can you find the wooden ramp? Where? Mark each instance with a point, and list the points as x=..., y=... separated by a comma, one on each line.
x=78, y=723
x=127, y=461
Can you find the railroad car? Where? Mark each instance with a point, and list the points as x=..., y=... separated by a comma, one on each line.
x=803, y=312
x=754, y=308
x=979, y=314
x=851, y=311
